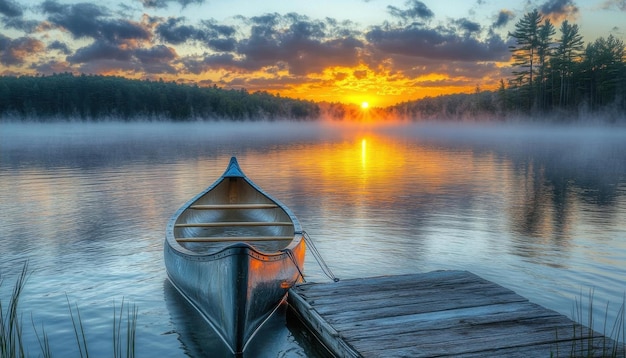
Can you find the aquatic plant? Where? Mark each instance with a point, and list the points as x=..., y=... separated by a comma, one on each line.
x=10, y=325
x=585, y=341
x=131, y=327
x=11, y=328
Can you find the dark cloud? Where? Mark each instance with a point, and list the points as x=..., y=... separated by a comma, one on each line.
x=222, y=45
x=15, y=51
x=438, y=44
x=274, y=42
x=102, y=50
x=415, y=10
x=215, y=30
x=216, y=37
x=558, y=8
x=119, y=44
x=156, y=54
x=102, y=54
x=174, y=32
x=162, y=4
x=504, y=16
x=461, y=71
x=10, y=9
x=467, y=25
x=198, y=65
x=99, y=50
x=90, y=20
x=156, y=59
x=303, y=44
x=12, y=17
x=264, y=84
x=5, y=42
x=60, y=46
x=19, y=23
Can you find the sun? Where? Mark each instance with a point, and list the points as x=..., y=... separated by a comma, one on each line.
x=364, y=105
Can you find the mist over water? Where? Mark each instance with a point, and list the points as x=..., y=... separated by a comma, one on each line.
x=540, y=209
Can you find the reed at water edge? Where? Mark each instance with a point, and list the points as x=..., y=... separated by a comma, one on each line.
x=586, y=342
x=11, y=327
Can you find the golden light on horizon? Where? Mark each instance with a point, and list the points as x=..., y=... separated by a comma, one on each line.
x=358, y=86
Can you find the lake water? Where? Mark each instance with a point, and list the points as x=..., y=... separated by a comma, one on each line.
x=538, y=209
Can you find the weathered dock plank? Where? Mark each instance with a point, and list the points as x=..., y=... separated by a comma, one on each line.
x=437, y=314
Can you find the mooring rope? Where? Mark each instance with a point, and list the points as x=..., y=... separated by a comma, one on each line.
x=318, y=257
x=295, y=262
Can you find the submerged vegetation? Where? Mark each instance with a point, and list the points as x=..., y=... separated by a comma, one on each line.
x=12, y=329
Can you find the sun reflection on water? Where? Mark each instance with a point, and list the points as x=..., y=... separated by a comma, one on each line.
x=364, y=153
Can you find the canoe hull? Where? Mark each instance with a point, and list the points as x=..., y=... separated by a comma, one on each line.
x=237, y=291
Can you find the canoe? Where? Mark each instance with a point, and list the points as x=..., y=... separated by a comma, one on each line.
x=233, y=252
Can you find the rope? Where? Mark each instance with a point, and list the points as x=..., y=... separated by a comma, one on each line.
x=318, y=257
x=293, y=259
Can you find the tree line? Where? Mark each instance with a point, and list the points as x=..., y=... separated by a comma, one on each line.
x=551, y=75
x=96, y=97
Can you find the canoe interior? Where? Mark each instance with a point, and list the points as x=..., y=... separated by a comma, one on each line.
x=233, y=211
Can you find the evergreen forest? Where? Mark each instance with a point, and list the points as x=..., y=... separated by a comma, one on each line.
x=93, y=97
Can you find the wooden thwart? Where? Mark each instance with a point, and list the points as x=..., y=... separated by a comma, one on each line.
x=437, y=314
x=234, y=238
x=236, y=223
x=232, y=206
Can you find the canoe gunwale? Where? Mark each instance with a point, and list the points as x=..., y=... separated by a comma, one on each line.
x=237, y=248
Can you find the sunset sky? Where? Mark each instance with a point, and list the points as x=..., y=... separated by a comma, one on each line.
x=351, y=51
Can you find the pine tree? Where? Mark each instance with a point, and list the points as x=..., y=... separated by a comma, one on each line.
x=544, y=51
x=525, y=54
x=568, y=52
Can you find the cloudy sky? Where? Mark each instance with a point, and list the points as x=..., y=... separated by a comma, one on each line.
x=380, y=51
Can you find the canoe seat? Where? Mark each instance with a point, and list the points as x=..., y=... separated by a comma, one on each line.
x=232, y=206
x=236, y=223
x=234, y=238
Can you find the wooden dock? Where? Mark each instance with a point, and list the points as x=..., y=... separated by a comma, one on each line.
x=438, y=314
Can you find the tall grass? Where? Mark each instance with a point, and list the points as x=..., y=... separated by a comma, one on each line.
x=585, y=342
x=11, y=328
x=131, y=326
